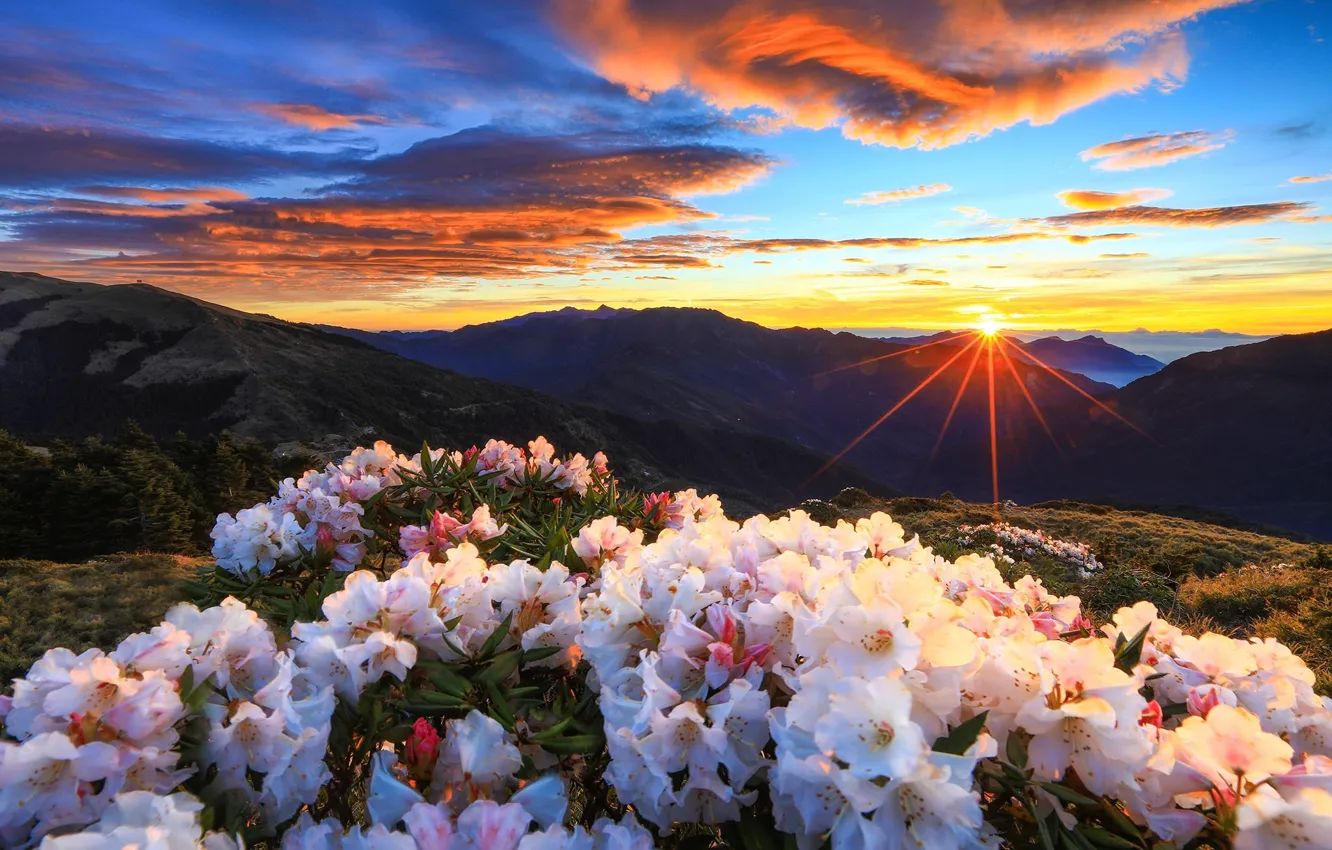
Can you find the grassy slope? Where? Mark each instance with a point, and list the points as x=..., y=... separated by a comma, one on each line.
x=78, y=606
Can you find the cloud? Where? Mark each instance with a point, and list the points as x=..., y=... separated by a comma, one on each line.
x=926, y=282
x=1136, y=255
x=927, y=74
x=313, y=117
x=1085, y=199
x=38, y=157
x=1168, y=217
x=481, y=203
x=922, y=191
x=1153, y=150
x=1315, y=179
x=162, y=196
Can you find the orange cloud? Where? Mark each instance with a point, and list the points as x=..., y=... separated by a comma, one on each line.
x=480, y=204
x=1083, y=199
x=163, y=196
x=1318, y=179
x=929, y=74
x=1168, y=217
x=313, y=117
x=1153, y=150
x=922, y=191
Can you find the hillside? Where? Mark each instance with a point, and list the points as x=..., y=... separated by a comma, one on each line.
x=79, y=359
x=1246, y=429
x=810, y=386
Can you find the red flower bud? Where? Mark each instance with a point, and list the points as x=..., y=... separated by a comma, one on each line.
x=1152, y=715
x=422, y=750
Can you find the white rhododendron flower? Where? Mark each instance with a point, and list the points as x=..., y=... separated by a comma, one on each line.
x=461, y=642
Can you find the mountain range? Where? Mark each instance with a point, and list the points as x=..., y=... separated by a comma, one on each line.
x=1089, y=355
x=1245, y=429
x=78, y=359
x=692, y=396
x=819, y=389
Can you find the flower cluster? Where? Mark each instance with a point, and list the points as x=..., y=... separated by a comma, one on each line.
x=94, y=726
x=446, y=610
x=319, y=513
x=842, y=684
x=1012, y=540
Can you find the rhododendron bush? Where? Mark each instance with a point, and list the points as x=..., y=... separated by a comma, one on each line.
x=500, y=649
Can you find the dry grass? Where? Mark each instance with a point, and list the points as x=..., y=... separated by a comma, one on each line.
x=43, y=604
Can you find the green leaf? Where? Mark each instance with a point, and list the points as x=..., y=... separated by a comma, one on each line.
x=1128, y=654
x=497, y=636
x=499, y=708
x=960, y=738
x=1067, y=795
x=1016, y=751
x=499, y=668
x=1104, y=838
x=541, y=653
x=552, y=732
x=185, y=684
x=1046, y=841
x=1119, y=820
x=573, y=744
x=451, y=683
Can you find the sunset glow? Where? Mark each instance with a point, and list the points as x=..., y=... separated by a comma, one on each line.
x=1125, y=165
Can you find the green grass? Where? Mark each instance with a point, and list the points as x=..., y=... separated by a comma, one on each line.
x=43, y=604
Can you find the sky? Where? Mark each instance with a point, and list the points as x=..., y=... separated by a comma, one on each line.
x=1075, y=164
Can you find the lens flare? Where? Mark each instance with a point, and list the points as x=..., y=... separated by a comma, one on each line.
x=986, y=338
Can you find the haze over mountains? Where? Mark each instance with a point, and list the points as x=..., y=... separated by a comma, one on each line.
x=1164, y=346
x=682, y=396
x=1088, y=355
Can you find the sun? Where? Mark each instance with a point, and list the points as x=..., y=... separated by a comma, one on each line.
x=989, y=326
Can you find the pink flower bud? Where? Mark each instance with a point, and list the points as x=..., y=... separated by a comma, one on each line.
x=722, y=655
x=756, y=654
x=422, y=749
x=444, y=530
x=723, y=623
x=325, y=545
x=1203, y=699
x=655, y=506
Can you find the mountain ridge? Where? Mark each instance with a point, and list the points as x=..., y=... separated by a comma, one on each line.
x=174, y=363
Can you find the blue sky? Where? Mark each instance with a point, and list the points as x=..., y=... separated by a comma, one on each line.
x=434, y=164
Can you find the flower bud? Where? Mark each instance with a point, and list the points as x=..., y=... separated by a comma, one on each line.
x=422, y=750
